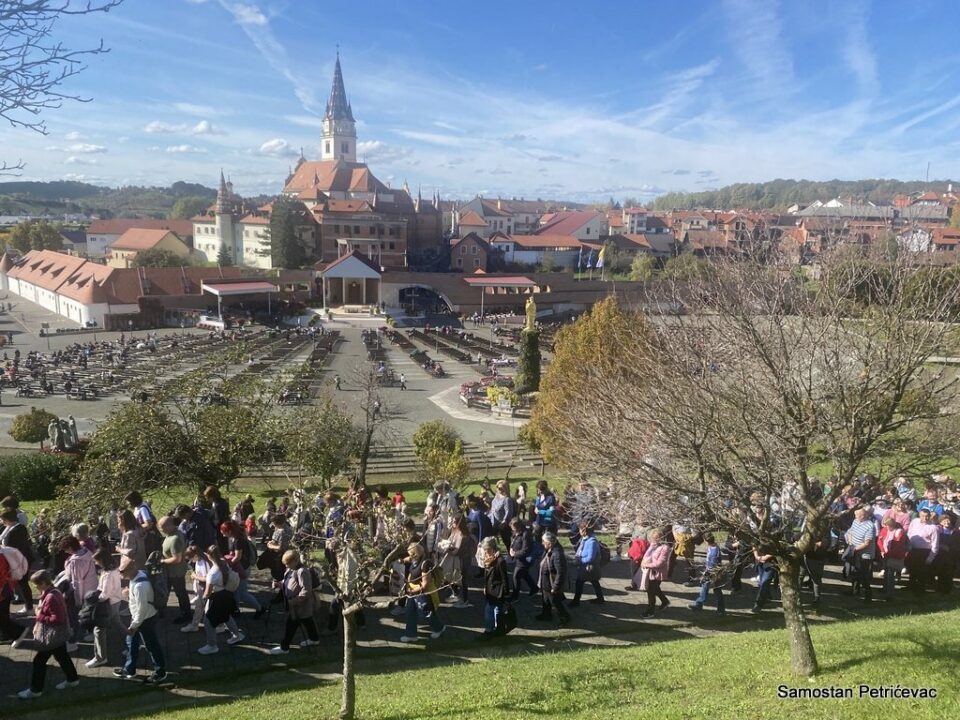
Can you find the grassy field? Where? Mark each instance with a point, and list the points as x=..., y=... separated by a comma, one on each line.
x=726, y=676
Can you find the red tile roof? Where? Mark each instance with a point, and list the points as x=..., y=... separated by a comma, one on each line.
x=334, y=176
x=471, y=219
x=551, y=240
x=500, y=281
x=567, y=222
x=140, y=239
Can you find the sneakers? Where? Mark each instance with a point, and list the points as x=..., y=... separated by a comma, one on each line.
x=208, y=650
x=308, y=642
x=96, y=662
x=647, y=614
x=27, y=611
x=278, y=651
x=191, y=627
x=437, y=633
x=123, y=674
x=28, y=694
x=461, y=604
x=221, y=629
x=234, y=639
x=695, y=606
x=67, y=684
x=157, y=677
x=407, y=639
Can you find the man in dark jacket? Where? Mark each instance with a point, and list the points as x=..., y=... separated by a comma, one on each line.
x=197, y=526
x=553, y=575
x=522, y=552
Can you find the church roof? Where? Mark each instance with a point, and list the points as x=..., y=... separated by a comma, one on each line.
x=337, y=106
x=472, y=219
x=140, y=239
x=334, y=176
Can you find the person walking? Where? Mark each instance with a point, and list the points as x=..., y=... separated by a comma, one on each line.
x=403, y=381
x=143, y=624
x=16, y=535
x=522, y=551
x=51, y=631
x=711, y=578
x=423, y=600
x=766, y=574
x=242, y=556
x=861, y=539
x=588, y=565
x=173, y=558
x=553, y=575
x=495, y=587
x=297, y=590
x=107, y=614
x=654, y=565
x=220, y=605
x=336, y=381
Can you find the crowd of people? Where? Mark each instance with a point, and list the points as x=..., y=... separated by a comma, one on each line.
x=111, y=578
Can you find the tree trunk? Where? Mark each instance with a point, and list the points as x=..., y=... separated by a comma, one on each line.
x=348, y=700
x=803, y=658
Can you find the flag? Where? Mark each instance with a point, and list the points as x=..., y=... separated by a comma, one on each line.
x=580, y=259
x=590, y=261
x=600, y=257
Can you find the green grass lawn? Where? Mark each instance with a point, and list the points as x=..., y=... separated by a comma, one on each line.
x=725, y=676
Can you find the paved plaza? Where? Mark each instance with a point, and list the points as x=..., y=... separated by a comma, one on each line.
x=425, y=398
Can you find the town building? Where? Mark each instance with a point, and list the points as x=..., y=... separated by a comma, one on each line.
x=103, y=233
x=123, y=252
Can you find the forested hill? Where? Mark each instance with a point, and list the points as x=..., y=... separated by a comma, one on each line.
x=781, y=194
x=60, y=197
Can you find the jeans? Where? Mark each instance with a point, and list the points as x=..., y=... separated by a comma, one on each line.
x=179, y=587
x=290, y=629
x=147, y=635
x=765, y=578
x=918, y=569
x=864, y=575
x=653, y=593
x=890, y=570
x=717, y=593
x=39, y=675
x=244, y=595
x=9, y=630
x=415, y=615
x=491, y=613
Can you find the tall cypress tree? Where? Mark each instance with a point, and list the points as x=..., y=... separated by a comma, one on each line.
x=286, y=217
x=528, y=364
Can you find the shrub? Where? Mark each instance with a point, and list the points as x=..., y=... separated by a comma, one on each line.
x=31, y=427
x=36, y=476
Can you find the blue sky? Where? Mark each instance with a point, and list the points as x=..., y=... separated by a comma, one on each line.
x=540, y=99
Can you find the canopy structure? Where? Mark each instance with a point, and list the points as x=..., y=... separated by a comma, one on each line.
x=243, y=287
x=500, y=284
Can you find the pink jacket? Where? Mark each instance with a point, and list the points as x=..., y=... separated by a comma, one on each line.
x=82, y=572
x=657, y=559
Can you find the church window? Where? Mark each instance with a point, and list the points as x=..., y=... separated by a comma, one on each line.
x=327, y=147
x=473, y=249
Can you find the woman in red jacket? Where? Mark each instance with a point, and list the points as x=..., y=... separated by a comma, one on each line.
x=893, y=544
x=9, y=630
x=50, y=632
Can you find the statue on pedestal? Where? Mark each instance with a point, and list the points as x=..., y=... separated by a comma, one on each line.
x=53, y=432
x=531, y=314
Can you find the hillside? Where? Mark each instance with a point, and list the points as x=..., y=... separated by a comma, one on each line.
x=781, y=194
x=59, y=197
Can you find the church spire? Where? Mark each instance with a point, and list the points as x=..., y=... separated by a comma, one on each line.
x=223, y=195
x=339, y=139
x=337, y=106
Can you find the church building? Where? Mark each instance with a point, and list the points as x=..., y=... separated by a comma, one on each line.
x=348, y=208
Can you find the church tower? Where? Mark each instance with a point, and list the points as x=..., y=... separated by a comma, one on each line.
x=339, y=140
x=226, y=228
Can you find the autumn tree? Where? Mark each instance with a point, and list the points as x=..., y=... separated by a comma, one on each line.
x=955, y=216
x=439, y=452
x=34, y=67
x=717, y=418
x=31, y=427
x=187, y=207
x=642, y=267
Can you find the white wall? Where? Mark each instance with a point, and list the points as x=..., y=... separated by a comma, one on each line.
x=97, y=244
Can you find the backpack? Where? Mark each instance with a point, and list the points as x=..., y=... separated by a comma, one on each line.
x=604, y=554
x=86, y=616
x=17, y=562
x=159, y=589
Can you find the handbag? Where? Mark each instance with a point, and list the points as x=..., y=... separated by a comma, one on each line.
x=49, y=637
x=506, y=619
x=640, y=578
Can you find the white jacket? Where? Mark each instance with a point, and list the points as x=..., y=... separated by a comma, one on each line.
x=141, y=600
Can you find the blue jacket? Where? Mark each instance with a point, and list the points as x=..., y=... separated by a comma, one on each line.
x=588, y=551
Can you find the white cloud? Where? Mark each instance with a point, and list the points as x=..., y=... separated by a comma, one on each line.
x=277, y=147
x=432, y=138
x=248, y=14
x=185, y=149
x=205, y=127
x=75, y=160
x=73, y=136
x=162, y=128
x=86, y=148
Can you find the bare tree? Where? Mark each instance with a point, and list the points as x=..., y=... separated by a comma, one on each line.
x=716, y=418
x=375, y=416
x=34, y=66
